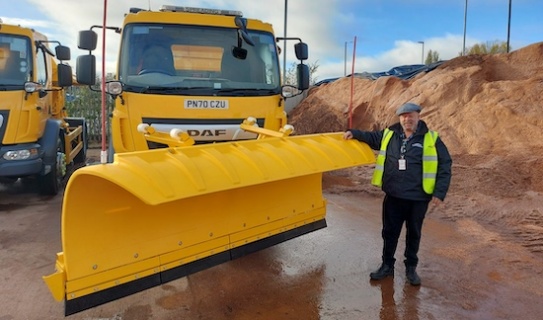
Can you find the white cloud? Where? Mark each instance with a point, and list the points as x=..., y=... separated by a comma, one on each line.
x=80, y=15
x=310, y=25
x=404, y=52
x=29, y=23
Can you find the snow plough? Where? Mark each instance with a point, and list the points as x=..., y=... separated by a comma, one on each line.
x=205, y=167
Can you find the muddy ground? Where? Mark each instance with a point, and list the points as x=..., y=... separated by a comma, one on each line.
x=470, y=269
x=481, y=254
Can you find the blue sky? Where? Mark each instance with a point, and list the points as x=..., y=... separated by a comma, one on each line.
x=387, y=32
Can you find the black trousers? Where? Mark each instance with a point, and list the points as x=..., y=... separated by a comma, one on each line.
x=396, y=211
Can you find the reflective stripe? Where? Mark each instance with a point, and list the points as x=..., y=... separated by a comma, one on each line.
x=429, y=162
x=377, y=179
x=429, y=158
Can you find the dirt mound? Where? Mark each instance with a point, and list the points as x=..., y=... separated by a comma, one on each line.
x=487, y=109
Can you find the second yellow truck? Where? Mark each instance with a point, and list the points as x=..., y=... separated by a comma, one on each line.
x=37, y=138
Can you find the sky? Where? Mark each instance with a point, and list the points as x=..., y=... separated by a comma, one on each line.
x=375, y=35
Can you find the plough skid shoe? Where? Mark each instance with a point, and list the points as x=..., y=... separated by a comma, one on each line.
x=154, y=216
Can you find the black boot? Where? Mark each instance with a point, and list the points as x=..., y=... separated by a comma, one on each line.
x=412, y=276
x=383, y=272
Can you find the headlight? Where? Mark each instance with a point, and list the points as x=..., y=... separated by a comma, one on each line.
x=20, y=154
x=114, y=87
x=31, y=87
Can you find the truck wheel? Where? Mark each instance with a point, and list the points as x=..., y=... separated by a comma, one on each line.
x=51, y=183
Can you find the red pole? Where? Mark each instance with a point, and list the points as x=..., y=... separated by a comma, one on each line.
x=104, y=134
x=352, y=86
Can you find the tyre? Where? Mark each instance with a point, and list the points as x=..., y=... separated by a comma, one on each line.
x=51, y=183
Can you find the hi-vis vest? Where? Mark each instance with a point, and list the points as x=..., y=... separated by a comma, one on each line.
x=429, y=161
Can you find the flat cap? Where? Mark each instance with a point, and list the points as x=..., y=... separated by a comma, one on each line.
x=408, y=107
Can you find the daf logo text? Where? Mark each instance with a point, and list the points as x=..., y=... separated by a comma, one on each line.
x=206, y=133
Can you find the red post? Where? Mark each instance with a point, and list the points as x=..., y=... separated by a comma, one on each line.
x=104, y=135
x=352, y=86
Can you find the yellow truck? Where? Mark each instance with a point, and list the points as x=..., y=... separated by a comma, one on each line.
x=37, y=139
x=204, y=170
x=201, y=71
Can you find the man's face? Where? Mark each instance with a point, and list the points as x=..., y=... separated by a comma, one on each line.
x=409, y=121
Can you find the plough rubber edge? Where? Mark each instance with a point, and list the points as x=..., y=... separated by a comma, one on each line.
x=95, y=299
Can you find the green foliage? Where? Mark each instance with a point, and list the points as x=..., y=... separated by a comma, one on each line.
x=490, y=47
x=85, y=103
x=431, y=57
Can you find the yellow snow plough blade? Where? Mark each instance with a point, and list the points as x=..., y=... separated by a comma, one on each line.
x=154, y=216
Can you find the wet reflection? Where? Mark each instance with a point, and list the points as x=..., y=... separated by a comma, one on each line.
x=257, y=286
x=411, y=302
x=407, y=306
x=388, y=309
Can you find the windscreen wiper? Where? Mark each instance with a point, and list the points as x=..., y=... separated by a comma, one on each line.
x=171, y=90
x=245, y=92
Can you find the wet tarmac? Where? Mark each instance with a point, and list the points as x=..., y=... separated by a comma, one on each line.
x=321, y=275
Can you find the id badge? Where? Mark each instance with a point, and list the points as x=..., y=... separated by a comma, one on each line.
x=402, y=164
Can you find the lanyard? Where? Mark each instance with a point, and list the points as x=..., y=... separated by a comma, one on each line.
x=403, y=147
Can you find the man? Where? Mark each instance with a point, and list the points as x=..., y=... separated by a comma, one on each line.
x=413, y=168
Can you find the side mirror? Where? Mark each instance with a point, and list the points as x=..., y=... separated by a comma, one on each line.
x=64, y=74
x=86, y=69
x=87, y=40
x=301, y=50
x=62, y=53
x=303, y=76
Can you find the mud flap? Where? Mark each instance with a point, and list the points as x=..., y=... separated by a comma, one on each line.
x=154, y=216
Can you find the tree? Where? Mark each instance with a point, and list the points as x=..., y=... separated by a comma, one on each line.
x=490, y=47
x=431, y=57
x=291, y=78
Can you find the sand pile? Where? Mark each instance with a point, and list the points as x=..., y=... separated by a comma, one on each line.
x=489, y=111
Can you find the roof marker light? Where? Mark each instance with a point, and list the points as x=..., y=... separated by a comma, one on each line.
x=201, y=10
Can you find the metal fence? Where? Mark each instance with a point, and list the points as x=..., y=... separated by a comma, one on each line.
x=84, y=103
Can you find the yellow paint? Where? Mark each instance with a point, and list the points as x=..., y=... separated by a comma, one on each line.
x=155, y=210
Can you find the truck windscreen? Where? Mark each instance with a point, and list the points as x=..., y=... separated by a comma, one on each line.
x=185, y=57
x=14, y=61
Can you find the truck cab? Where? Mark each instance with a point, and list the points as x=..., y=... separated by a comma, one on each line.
x=202, y=71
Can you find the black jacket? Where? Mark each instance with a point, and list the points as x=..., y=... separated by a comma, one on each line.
x=407, y=184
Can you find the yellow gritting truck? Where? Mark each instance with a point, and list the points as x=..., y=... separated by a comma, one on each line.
x=37, y=139
x=204, y=170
